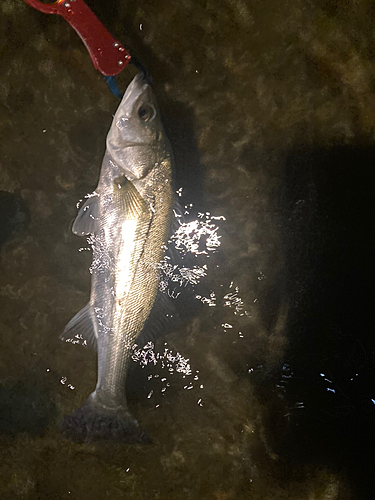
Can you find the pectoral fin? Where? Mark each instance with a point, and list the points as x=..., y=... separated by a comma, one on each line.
x=128, y=199
x=86, y=221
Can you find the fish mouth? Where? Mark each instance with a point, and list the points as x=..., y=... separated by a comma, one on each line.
x=130, y=144
x=125, y=144
x=135, y=88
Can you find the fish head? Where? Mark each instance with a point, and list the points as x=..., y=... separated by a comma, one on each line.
x=136, y=134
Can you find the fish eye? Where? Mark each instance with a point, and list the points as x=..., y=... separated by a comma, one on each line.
x=146, y=112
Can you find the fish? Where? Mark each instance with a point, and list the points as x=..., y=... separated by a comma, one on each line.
x=128, y=221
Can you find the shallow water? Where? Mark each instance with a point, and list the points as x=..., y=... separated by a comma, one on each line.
x=269, y=107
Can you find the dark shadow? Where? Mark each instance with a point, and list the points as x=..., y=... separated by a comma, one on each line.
x=326, y=219
x=14, y=216
x=179, y=126
x=24, y=409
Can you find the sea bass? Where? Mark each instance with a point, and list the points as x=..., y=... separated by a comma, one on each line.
x=128, y=220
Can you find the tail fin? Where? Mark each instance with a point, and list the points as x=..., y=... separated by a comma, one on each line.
x=91, y=423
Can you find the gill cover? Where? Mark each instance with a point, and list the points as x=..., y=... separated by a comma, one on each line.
x=136, y=131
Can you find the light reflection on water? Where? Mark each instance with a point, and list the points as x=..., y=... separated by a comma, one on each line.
x=175, y=362
x=197, y=238
x=167, y=360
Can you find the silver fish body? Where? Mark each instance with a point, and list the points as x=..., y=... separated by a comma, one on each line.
x=128, y=219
